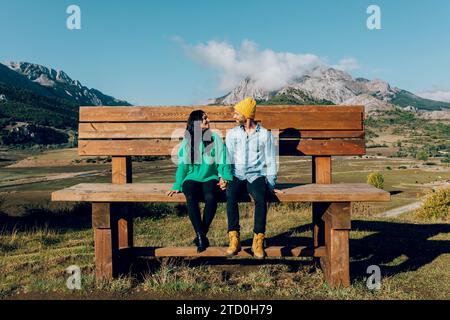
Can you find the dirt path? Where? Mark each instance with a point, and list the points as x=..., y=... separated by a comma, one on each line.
x=50, y=178
x=400, y=210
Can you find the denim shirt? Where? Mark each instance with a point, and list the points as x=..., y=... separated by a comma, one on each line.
x=252, y=156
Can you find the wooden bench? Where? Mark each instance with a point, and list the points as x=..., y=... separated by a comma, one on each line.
x=317, y=131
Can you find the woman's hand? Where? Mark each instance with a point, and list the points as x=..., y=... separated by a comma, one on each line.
x=222, y=184
x=172, y=192
x=277, y=191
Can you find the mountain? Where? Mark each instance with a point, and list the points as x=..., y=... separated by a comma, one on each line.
x=39, y=105
x=54, y=83
x=325, y=85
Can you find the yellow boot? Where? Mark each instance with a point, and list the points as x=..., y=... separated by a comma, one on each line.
x=235, y=243
x=258, y=246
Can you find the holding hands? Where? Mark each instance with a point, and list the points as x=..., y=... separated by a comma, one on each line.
x=222, y=184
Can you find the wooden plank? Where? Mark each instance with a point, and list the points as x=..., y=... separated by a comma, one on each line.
x=338, y=216
x=122, y=174
x=132, y=130
x=321, y=170
x=106, y=253
x=272, y=251
x=318, y=225
x=155, y=192
x=322, y=147
x=321, y=174
x=163, y=147
x=336, y=262
x=168, y=130
x=312, y=120
x=101, y=215
x=125, y=229
x=181, y=113
x=121, y=170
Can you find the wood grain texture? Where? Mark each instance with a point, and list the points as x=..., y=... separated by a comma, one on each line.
x=321, y=170
x=125, y=229
x=272, y=251
x=101, y=215
x=168, y=130
x=164, y=147
x=155, y=192
x=121, y=170
x=106, y=253
x=181, y=113
x=336, y=262
x=338, y=216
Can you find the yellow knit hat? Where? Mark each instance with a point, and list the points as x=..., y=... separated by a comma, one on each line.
x=247, y=107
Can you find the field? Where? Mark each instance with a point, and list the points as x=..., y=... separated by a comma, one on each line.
x=40, y=239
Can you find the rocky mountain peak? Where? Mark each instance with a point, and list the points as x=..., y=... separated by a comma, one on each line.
x=57, y=83
x=329, y=85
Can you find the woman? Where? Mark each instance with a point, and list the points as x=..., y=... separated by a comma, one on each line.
x=201, y=169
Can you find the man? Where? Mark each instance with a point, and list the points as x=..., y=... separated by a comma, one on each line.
x=251, y=152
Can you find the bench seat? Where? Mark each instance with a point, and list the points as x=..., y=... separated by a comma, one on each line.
x=155, y=192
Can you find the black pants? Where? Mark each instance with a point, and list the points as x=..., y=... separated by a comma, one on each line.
x=257, y=189
x=195, y=192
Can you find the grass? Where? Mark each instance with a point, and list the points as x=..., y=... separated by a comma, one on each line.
x=414, y=258
x=40, y=239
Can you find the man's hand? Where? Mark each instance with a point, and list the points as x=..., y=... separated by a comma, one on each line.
x=172, y=192
x=222, y=184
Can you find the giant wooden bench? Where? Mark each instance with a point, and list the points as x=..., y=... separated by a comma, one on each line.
x=317, y=131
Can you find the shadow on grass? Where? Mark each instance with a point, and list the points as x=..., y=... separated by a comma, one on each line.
x=390, y=241
x=394, y=247
x=77, y=216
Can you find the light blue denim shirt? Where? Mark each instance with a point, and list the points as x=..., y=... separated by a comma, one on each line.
x=252, y=156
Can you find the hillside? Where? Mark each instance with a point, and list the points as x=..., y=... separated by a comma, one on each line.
x=39, y=105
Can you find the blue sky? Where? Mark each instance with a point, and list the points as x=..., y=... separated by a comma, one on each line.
x=127, y=48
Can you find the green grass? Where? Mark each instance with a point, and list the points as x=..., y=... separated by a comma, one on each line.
x=40, y=239
x=413, y=257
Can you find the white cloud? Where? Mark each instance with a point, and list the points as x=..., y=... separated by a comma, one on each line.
x=437, y=94
x=347, y=64
x=269, y=69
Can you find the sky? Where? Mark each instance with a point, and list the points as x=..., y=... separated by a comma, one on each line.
x=179, y=52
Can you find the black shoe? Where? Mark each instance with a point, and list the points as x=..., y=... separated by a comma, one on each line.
x=202, y=242
x=195, y=241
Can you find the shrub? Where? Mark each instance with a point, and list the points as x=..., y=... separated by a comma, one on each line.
x=436, y=205
x=422, y=155
x=376, y=179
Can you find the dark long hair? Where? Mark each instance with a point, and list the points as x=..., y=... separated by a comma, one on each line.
x=195, y=119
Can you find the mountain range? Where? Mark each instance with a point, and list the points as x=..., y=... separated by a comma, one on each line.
x=326, y=85
x=52, y=84
x=40, y=104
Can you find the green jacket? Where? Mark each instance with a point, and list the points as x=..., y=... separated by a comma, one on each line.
x=212, y=166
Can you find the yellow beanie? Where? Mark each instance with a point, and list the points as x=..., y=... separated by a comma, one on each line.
x=247, y=107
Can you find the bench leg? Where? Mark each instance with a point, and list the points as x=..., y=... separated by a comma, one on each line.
x=125, y=227
x=336, y=228
x=105, y=224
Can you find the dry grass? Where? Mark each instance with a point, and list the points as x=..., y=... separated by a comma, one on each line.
x=414, y=258
x=39, y=240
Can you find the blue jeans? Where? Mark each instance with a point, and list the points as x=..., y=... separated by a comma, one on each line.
x=257, y=189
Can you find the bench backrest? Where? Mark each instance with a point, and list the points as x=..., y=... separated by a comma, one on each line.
x=317, y=131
